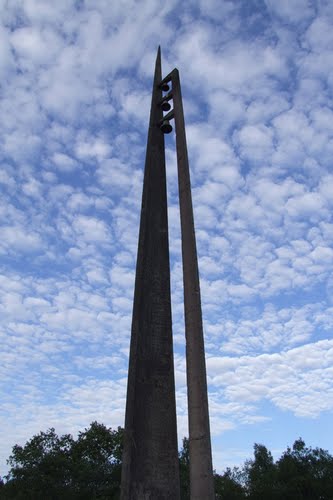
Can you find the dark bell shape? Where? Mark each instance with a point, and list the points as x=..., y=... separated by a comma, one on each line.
x=166, y=127
x=165, y=87
x=165, y=106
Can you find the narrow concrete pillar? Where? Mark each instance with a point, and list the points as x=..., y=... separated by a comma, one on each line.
x=150, y=468
x=201, y=471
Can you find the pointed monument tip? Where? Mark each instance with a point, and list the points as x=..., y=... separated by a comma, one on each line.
x=158, y=64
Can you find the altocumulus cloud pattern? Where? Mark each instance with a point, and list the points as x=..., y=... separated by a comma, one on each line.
x=75, y=94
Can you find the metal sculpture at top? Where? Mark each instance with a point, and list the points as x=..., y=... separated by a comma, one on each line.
x=150, y=457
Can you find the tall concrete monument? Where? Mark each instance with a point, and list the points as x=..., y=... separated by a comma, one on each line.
x=150, y=457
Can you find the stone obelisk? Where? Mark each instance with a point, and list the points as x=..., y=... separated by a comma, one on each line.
x=150, y=459
x=201, y=468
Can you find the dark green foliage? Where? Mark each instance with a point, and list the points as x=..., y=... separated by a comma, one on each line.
x=49, y=467
x=97, y=455
x=306, y=473
x=43, y=464
x=228, y=486
x=301, y=473
x=261, y=475
x=184, y=470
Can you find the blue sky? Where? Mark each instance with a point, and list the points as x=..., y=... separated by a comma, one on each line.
x=75, y=87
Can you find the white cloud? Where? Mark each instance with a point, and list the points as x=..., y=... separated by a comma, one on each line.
x=291, y=11
x=291, y=380
x=34, y=45
x=64, y=162
x=91, y=229
x=5, y=54
x=256, y=142
x=17, y=238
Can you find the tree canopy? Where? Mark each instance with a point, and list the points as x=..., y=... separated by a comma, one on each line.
x=52, y=467
x=49, y=467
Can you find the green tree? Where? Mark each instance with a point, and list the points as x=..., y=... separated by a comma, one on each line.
x=228, y=486
x=306, y=473
x=42, y=465
x=50, y=467
x=302, y=473
x=96, y=458
x=260, y=473
x=184, y=470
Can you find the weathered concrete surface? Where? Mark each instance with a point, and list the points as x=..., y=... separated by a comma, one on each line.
x=150, y=458
x=201, y=470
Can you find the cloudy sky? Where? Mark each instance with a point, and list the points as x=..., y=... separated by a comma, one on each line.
x=75, y=80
